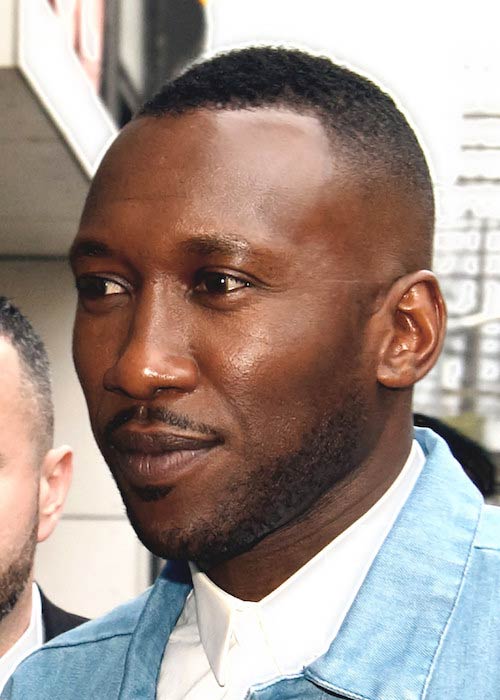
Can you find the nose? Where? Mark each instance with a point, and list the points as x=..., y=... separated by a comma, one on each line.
x=154, y=358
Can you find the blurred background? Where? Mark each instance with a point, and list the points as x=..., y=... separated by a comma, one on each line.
x=73, y=71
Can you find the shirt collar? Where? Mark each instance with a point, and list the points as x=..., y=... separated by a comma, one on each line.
x=312, y=603
x=30, y=640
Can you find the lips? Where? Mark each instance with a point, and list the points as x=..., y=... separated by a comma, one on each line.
x=152, y=458
x=158, y=442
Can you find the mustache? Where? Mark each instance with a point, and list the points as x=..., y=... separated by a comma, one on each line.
x=155, y=414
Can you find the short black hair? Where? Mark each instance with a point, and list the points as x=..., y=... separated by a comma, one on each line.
x=357, y=115
x=16, y=328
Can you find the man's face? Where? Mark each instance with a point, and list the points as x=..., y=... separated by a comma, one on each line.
x=18, y=482
x=222, y=337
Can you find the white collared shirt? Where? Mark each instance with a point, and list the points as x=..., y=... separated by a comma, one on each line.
x=32, y=638
x=221, y=645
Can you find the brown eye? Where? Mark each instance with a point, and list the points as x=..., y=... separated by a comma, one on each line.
x=90, y=287
x=219, y=283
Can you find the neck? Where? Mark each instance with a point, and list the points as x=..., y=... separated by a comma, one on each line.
x=15, y=624
x=259, y=571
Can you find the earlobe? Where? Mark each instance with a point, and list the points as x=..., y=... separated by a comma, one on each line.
x=415, y=329
x=55, y=480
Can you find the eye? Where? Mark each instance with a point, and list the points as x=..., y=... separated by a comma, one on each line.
x=219, y=283
x=91, y=287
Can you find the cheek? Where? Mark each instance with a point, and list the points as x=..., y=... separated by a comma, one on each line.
x=95, y=343
x=278, y=377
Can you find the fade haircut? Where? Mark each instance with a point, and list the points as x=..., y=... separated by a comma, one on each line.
x=361, y=120
x=35, y=370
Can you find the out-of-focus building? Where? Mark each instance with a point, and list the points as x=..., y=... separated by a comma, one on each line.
x=129, y=48
x=465, y=386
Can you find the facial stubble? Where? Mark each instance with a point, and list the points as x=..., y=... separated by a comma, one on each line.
x=14, y=578
x=277, y=492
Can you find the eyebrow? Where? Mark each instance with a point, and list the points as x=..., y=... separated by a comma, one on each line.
x=215, y=244
x=89, y=249
x=201, y=245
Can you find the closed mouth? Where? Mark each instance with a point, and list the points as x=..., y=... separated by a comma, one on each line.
x=158, y=442
x=155, y=460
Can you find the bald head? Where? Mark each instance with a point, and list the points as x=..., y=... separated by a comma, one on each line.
x=366, y=130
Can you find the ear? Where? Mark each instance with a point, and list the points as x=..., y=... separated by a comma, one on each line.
x=414, y=331
x=55, y=480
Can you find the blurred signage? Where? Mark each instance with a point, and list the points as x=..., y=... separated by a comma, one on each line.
x=83, y=21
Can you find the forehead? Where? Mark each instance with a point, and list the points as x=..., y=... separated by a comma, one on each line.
x=205, y=147
x=236, y=169
x=269, y=178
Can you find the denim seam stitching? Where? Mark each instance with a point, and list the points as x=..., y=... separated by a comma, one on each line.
x=291, y=677
x=336, y=688
x=257, y=687
x=455, y=603
x=67, y=645
x=342, y=691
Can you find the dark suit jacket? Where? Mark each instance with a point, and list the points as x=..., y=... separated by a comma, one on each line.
x=57, y=621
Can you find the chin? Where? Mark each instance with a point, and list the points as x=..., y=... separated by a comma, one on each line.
x=170, y=526
x=206, y=542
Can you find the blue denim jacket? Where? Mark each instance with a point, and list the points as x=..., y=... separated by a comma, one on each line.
x=425, y=623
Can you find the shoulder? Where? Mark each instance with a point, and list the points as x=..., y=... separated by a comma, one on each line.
x=76, y=657
x=482, y=573
x=488, y=531
x=119, y=622
x=467, y=662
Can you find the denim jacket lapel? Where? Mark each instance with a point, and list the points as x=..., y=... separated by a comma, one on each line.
x=154, y=627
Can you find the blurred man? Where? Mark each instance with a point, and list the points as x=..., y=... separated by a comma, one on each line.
x=34, y=481
x=255, y=306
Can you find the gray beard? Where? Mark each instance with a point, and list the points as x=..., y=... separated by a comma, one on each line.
x=14, y=578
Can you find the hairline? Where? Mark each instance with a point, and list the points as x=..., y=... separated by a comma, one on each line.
x=33, y=404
